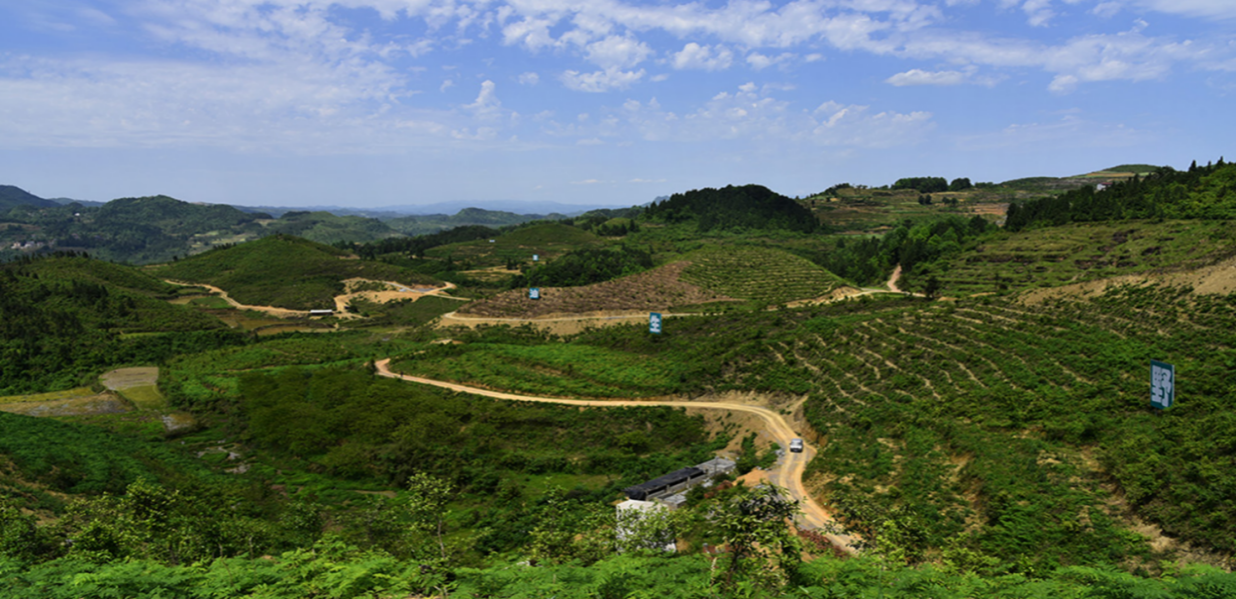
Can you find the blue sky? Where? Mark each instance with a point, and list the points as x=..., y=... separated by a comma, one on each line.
x=389, y=102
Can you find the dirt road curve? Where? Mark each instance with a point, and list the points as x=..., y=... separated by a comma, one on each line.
x=789, y=475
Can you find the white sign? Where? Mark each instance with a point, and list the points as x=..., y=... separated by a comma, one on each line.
x=1162, y=384
x=654, y=323
x=535, y=257
x=534, y=293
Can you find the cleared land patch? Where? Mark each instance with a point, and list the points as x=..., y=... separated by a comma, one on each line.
x=658, y=289
x=138, y=385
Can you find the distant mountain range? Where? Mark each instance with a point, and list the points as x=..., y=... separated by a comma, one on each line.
x=160, y=228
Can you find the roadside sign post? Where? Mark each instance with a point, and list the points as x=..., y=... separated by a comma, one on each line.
x=654, y=323
x=535, y=258
x=534, y=293
x=1162, y=384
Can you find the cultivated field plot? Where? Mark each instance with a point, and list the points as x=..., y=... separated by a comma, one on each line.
x=1078, y=252
x=658, y=289
x=764, y=276
x=138, y=385
x=71, y=402
x=995, y=425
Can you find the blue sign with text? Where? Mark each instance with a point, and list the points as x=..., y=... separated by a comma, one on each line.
x=654, y=323
x=1162, y=384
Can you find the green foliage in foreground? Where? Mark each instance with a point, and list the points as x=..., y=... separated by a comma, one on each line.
x=332, y=569
x=283, y=271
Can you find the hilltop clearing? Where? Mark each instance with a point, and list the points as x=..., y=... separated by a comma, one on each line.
x=284, y=272
x=658, y=289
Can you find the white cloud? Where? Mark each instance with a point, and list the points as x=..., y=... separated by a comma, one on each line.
x=920, y=77
x=1219, y=9
x=646, y=181
x=487, y=105
x=446, y=84
x=1070, y=130
x=754, y=114
x=587, y=182
x=601, y=81
x=617, y=52
x=707, y=58
x=529, y=78
x=760, y=62
x=1106, y=10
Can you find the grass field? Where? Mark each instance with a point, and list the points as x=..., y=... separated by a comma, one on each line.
x=761, y=275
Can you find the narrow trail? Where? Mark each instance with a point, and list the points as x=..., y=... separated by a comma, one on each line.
x=789, y=476
x=892, y=281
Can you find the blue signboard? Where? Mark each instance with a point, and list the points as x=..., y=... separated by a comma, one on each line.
x=535, y=257
x=534, y=293
x=1162, y=384
x=654, y=323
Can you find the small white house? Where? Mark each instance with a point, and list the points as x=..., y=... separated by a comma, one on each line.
x=633, y=520
x=315, y=313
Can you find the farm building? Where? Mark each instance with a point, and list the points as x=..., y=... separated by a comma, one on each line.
x=717, y=466
x=678, y=480
x=313, y=313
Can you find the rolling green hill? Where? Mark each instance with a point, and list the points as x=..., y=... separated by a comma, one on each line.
x=546, y=240
x=283, y=271
x=11, y=196
x=65, y=318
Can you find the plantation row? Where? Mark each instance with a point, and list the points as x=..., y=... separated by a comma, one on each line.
x=764, y=276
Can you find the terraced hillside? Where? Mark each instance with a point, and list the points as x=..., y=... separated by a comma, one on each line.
x=1004, y=429
x=1054, y=256
x=762, y=275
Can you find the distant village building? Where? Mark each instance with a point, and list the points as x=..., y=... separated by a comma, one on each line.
x=1102, y=185
x=314, y=313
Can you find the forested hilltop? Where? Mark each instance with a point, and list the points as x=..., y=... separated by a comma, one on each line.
x=972, y=389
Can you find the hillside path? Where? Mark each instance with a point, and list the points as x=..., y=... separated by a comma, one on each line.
x=341, y=301
x=789, y=476
x=892, y=280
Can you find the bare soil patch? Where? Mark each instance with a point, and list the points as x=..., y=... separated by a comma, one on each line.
x=127, y=378
x=658, y=289
x=1216, y=279
x=103, y=403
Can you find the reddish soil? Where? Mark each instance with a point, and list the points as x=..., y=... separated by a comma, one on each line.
x=657, y=289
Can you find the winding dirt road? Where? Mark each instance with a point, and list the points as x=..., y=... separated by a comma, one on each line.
x=788, y=476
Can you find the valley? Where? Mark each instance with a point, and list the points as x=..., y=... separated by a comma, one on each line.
x=396, y=416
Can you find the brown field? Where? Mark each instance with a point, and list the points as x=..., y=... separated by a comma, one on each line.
x=102, y=403
x=658, y=289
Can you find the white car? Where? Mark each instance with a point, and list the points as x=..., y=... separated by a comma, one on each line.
x=796, y=446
